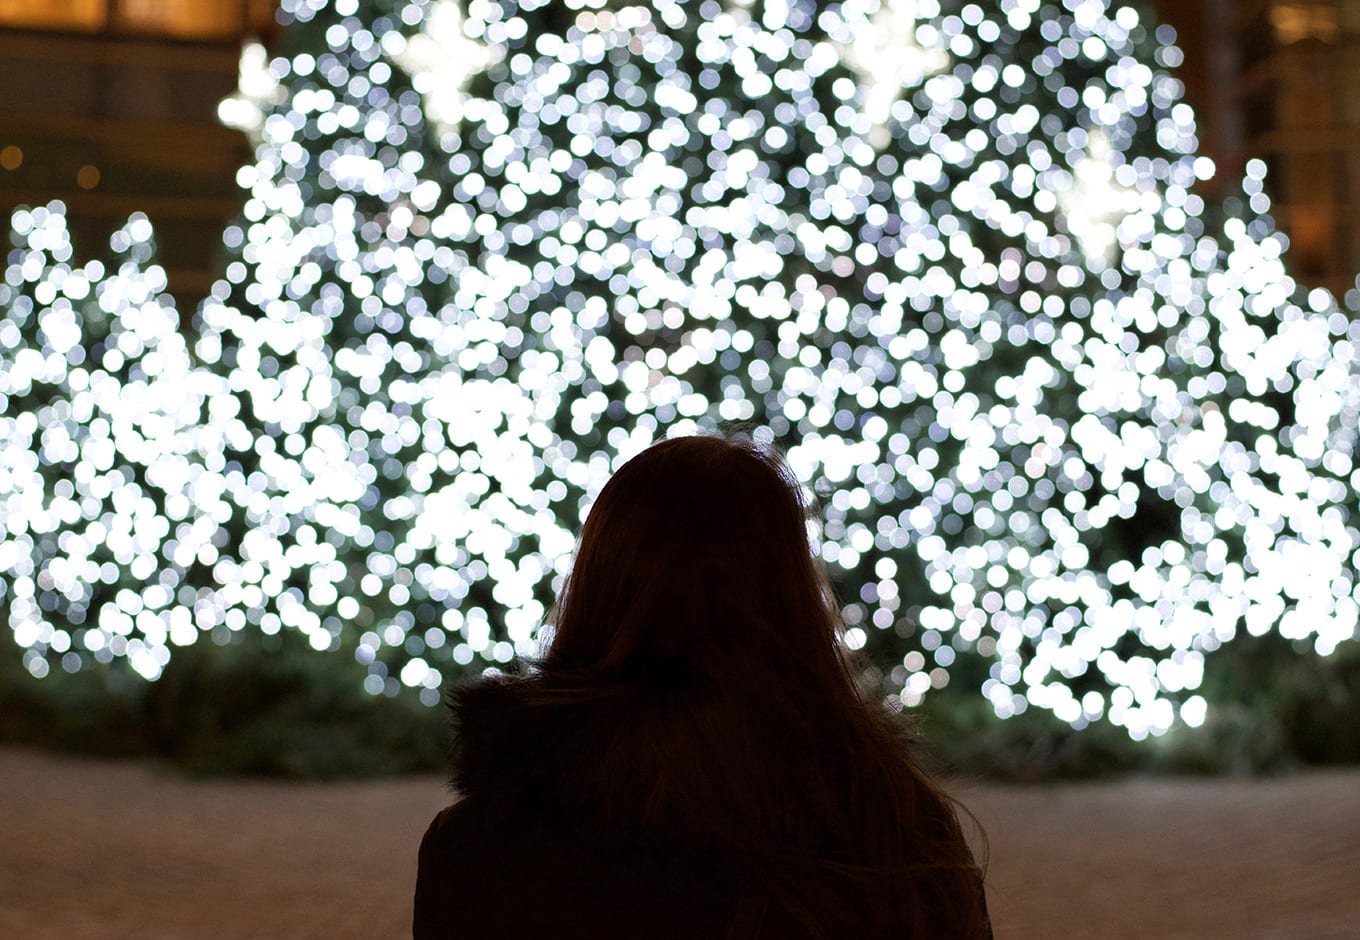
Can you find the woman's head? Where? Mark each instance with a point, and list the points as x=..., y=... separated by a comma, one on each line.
x=695, y=686
x=695, y=560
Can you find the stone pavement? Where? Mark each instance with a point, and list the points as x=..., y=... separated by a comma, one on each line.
x=1176, y=857
x=112, y=849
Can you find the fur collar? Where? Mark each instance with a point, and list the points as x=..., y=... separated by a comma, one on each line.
x=597, y=760
x=506, y=746
x=551, y=756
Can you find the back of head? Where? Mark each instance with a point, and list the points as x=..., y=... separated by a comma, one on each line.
x=694, y=562
x=697, y=639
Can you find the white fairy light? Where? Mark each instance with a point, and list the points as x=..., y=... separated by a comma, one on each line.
x=989, y=347
x=1095, y=202
x=257, y=90
x=441, y=59
x=886, y=55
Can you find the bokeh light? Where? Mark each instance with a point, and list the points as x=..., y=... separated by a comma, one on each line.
x=1071, y=427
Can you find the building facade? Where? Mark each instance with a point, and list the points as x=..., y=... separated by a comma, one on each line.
x=111, y=107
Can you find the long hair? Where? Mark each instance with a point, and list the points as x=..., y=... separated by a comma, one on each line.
x=698, y=617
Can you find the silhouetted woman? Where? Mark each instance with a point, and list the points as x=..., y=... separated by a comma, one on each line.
x=691, y=757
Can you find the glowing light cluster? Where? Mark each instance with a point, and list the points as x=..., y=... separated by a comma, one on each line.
x=1064, y=418
x=104, y=510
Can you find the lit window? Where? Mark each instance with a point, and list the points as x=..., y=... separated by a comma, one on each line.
x=84, y=15
x=182, y=19
x=1295, y=22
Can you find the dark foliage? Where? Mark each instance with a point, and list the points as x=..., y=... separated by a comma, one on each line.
x=229, y=710
x=247, y=710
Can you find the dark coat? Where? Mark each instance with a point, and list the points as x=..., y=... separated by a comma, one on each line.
x=528, y=849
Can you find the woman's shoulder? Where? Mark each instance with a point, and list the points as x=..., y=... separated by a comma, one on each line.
x=449, y=839
x=469, y=873
x=443, y=823
x=482, y=864
x=451, y=819
x=465, y=832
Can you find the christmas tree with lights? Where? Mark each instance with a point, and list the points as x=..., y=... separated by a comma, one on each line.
x=1071, y=429
x=110, y=521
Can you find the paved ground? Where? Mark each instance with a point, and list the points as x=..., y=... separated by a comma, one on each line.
x=104, y=849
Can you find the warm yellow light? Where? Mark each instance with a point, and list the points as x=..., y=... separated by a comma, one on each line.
x=186, y=19
x=189, y=19
x=87, y=177
x=1295, y=22
x=11, y=158
x=54, y=14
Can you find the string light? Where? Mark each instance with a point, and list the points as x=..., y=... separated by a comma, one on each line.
x=1060, y=414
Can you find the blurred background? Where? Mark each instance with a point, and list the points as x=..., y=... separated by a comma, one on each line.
x=284, y=281
x=133, y=123
x=113, y=109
